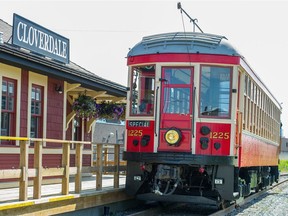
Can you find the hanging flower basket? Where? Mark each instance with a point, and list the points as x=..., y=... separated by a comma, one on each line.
x=86, y=107
x=111, y=110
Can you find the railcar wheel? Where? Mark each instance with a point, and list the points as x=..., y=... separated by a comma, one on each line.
x=257, y=189
x=223, y=204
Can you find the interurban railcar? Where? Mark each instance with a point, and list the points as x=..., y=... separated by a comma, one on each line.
x=201, y=125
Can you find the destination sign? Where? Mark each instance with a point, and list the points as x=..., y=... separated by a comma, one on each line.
x=139, y=123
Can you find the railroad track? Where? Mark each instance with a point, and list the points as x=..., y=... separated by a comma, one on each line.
x=248, y=199
x=192, y=209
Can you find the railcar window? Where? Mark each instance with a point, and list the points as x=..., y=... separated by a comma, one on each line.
x=176, y=100
x=215, y=89
x=143, y=90
x=177, y=93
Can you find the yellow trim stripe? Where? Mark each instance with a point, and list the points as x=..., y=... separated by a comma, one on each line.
x=13, y=138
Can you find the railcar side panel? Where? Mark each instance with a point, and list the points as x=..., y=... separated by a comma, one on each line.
x=255, y=152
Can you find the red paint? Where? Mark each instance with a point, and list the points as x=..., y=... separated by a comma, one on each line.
x=255, y=152
x=24, y=103
x=55, y=104
x=220, y=133
x=136, y=133
x=180, y=118
x=176, y=57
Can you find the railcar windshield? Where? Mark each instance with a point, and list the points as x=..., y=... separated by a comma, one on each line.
x=143, y=90
x=215, y=91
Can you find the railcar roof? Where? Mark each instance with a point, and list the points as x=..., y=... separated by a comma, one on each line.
x=183, y=42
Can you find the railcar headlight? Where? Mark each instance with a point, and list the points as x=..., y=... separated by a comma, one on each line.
x=173, y=136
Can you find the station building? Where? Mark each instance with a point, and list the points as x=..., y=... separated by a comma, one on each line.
x=38, y=86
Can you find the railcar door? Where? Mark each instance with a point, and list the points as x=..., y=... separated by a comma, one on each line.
x=176, y=109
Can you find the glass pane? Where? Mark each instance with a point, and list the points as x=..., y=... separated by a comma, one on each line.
x=4, y=87
x=176, y=100
x=4, y=103
x=177, y=75
x=32, y=107
x=215, y=91
x=33, y=94
x=38, y=94
x=11, y=104
x=34, y=127
x=143, y=90
x=5, y=121
x=38, y=108
x=11, y=89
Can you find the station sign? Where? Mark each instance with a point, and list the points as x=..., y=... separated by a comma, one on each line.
x=40, y=40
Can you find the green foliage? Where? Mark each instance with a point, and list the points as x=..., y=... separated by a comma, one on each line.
x=85, y=106
x=283, y=166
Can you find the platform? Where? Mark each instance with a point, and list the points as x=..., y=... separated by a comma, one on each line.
x=52, y=202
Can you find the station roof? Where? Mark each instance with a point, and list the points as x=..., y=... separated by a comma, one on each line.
x=71, y=73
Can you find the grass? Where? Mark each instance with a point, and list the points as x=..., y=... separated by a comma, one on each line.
x=283, y=166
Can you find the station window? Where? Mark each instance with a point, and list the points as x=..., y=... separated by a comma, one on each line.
x=215, y=91
x=143, y=90
x=36, y=111
x=8, y=118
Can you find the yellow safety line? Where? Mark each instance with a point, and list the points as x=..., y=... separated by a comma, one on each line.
x=61, y=198
x=16, y=205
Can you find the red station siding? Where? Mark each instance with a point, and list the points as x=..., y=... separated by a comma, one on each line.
x=24, y=103
x=54, y=112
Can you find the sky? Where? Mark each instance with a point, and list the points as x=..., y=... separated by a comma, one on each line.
x=101, y=32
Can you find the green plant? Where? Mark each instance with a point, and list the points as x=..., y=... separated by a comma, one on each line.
x=85, y=106
x=283, y=165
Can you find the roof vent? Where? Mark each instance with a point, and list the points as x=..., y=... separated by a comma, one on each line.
x=1, y=38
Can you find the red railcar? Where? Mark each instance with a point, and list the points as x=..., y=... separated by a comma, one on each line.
x=201, y=126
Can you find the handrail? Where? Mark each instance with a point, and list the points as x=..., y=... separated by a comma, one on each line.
x=38, y=172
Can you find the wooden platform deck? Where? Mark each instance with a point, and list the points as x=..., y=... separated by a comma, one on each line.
x=51, y=193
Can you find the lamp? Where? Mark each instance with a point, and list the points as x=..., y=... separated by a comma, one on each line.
x=58, y=88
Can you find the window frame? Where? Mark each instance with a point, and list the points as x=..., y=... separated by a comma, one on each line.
x=38, y=116
x=141, y=82
x=11, y=112
x=230, y=92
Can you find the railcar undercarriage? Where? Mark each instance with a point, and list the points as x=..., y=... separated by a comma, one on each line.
x=208, y=184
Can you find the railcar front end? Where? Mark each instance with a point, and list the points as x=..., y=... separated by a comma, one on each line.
x=183, y=129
